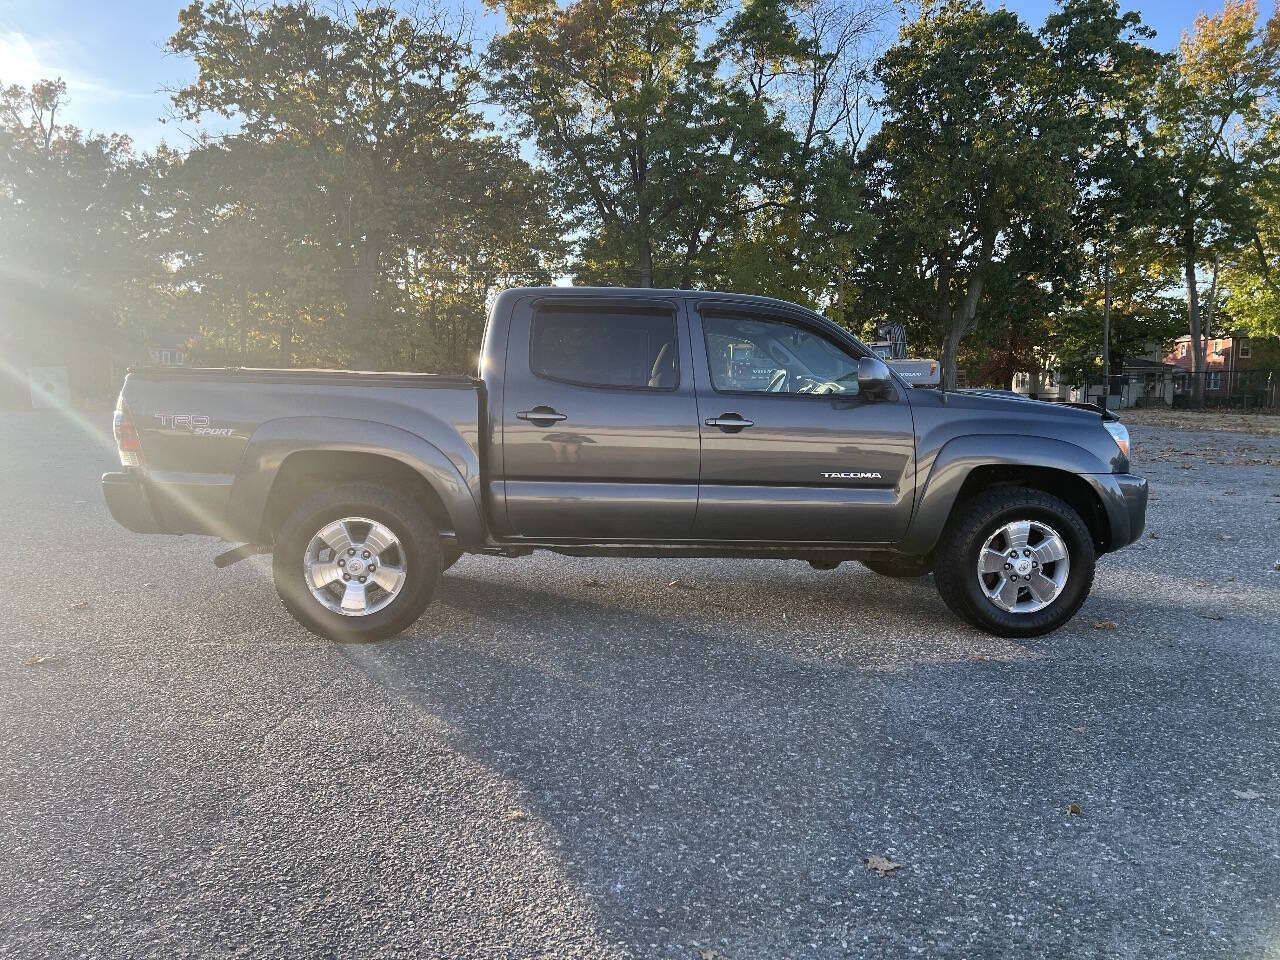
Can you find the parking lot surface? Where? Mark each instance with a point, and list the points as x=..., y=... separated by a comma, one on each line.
x=627, y=758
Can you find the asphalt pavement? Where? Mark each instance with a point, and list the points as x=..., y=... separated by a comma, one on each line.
x=637, y=758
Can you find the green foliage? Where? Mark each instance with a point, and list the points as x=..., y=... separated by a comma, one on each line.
x=379, y=164
x=999, y=146
x=1215, y=153
x=1252, y=278
x=675, y=170
x=75, y=268
x=365, y=207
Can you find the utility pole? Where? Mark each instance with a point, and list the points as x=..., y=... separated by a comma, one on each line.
x=1106, y=326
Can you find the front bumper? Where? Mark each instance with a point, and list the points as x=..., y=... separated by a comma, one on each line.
x=128, y=502
x=1124, y=498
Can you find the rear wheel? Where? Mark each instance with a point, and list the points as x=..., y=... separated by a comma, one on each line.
x=1015, y=562
x=356, y=562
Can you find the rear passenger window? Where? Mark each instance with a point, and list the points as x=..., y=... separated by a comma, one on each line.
x=598, y=348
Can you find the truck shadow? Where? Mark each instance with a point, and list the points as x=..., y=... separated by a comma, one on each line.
x=706, y=784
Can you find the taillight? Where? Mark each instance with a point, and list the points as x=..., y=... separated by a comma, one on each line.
x=126, y=436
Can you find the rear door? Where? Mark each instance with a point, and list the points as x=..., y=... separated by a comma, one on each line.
x=790, y=450
x=599, y=420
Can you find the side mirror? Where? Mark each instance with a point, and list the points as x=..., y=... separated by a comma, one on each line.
x=873, y=376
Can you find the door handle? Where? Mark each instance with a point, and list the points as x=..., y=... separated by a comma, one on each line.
x=729, y=422
x=541, y=416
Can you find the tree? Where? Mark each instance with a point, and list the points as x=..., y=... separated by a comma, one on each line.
x=1212, y=109
x=74, y=258
x=807, y=62
x=370, y=116
x=957, y=159
x=1251, y=278
x=641, y=135
x=693, y=150
x=242, y=241
x=991, y=135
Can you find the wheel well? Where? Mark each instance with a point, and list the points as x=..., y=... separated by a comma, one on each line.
x=307, y=471
x=1065, y=486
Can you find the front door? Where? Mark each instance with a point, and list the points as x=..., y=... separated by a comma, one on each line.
x=790, y=450
x=600, y=421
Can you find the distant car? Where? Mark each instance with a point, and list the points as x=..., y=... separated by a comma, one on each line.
x=635, y=423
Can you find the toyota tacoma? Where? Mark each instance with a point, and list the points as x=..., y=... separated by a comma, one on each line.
x=629, y=423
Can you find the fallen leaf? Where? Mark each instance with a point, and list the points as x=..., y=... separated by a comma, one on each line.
x=1105, y=625
x=592, y=583
x=1223, y=537
x=1247, y=794
x=706, y=953
x=881, y=865
x=1153, y=535
x=517, y=815
x=1078, y=729
x=682, y=585
x=36, y=661
x=1278, y=567
x=79, y=605
x=1073, y=810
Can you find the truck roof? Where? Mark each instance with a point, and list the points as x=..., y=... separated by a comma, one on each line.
x=651, y=293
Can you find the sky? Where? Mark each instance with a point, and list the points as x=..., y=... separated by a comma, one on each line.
x=111, y=54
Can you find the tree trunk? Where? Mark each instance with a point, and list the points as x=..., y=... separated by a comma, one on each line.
x=286, y=344
x=1106, y=327
x=244, y=325
x=1193, y=320
x=962, y=320
x=646, y=261
x=947, y=359
x=645, y=213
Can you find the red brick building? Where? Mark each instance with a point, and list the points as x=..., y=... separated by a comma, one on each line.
x=1233, y=366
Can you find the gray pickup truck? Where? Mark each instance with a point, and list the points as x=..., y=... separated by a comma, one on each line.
x=634, y=423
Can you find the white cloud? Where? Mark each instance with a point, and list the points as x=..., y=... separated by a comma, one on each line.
x=24, y=61
x=20, y=61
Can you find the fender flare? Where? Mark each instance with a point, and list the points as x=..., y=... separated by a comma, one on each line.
x=958, y=457
x=273, y=442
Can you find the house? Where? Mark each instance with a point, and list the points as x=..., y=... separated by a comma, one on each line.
x=1140, y=381
x=1236, y=367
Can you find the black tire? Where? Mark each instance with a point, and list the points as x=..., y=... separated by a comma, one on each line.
x=899, y=568
x=973, y=522
x=418, y=539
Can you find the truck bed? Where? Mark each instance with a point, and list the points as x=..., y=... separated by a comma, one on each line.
x=211, y=436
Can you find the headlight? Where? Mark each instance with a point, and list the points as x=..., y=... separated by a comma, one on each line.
x=1120, y=434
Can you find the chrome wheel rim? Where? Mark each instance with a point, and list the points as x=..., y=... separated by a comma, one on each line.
x=354, y=566
x=1023, y=566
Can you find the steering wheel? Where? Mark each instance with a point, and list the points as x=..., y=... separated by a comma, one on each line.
x=779, y=382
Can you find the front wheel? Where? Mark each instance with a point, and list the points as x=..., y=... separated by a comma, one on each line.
x=1015, y=562
x=356, y=562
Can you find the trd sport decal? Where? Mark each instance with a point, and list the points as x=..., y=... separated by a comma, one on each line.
x=197, y=424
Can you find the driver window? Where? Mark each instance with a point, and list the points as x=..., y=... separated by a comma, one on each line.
x=767, y=355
